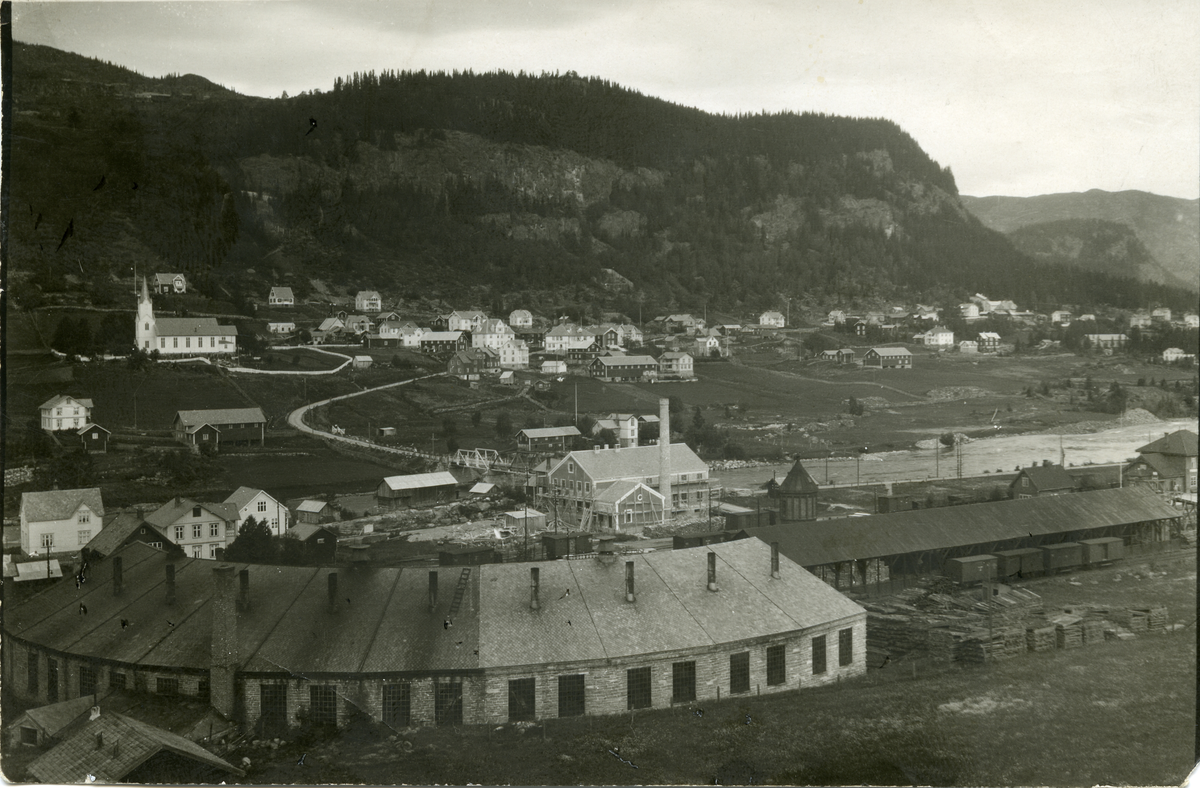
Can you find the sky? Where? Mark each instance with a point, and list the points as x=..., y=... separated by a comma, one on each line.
x=1017, y=97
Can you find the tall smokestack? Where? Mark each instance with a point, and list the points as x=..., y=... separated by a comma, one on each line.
x=775, y=560
x=118, y=579
x=664, y=456
x=433, y=585
x=534, y=604
x=712, y=571
x=170, y=584
x=333, y=592
x=629, y=595
x=223, y=667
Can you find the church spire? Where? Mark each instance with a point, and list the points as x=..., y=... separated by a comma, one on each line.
x=145, y=297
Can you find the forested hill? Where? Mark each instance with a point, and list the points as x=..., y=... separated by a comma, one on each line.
x=489, y=184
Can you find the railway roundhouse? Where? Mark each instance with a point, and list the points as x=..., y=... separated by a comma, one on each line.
x=272, y=646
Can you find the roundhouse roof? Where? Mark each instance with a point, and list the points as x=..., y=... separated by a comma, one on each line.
x=383, y=624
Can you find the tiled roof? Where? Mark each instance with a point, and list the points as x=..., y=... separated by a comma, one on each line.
x=632, y=463
x=192, y=326
x=196, y=418
x=385, y=624
x=60, y=504
x=878, y=536
x=419, y=480
x=127, y=744
x=58, y=399
x=1180, y=442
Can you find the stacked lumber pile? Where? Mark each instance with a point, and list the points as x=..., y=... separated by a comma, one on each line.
x=1156, y=619
x=1067, y=631
x=1134, y=620
x=1040, y=638
x=1093, y=630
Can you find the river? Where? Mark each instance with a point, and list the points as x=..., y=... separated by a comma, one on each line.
x=1002, y=453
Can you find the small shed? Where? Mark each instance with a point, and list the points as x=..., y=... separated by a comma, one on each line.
x=507, y=378
x=1062, y=557
x=320, y=543
x=481, y=488
x=519, y=519
x=387, y=432
x=95, y=438
x=362, y=362
x=565, y=543
x=972, y=569
x=39, y=726
x=1025, y=562
x=315, y=512
x=468, y=556
x=740, y=517
x=1100, y=551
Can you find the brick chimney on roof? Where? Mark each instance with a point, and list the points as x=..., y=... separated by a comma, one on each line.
x=224, y=656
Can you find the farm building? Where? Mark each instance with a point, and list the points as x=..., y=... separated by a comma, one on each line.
x=418, y=489
x=1044, y=479
x=232, y=426
x=320, y=543
x=281, y=296
x=624, y=368
x=547, y=438
x=62, y=412
x=895, y=548
x=888, y=358
x=60, y=521
x=315, y=512
x=470, y=645
x=94, y=438
x=362, y=362
x=442, y=341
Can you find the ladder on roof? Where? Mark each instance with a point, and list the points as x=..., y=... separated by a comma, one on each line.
x=460, y=591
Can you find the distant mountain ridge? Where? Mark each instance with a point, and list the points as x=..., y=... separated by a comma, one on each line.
x=1168, y=228
x=490, y=188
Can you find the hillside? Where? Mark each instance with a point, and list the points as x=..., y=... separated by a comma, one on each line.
x=487, y=188
x=1168, y=227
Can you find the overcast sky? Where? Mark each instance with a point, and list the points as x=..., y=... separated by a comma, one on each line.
x=1018, y=97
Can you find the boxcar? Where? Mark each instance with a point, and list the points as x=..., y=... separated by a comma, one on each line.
x=1063, y=557
x=1019, y=563
x=1099, y=551
x=972, y=569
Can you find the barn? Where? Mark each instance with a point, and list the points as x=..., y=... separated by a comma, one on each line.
x=418, y=489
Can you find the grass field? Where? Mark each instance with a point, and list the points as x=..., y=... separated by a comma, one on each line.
x=1112, y=713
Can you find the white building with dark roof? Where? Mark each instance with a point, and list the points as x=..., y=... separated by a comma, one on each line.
x=60, y=521
x=64, y=412
x=181, y=336
x=281, y=296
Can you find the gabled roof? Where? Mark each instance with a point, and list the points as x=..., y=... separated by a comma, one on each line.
x=303, y=531
x=549, y=432
x=624, y=361
x=1180, y=442
x=570, y=330
x=619, y=491
x=127, y=744
x=58, y=399
x=282, y=292
x=882, y=535
x=166, y=515
x=416, y=481
x=166, y=279
x=798, y=480
x=1048, y=477
x=56, y=716
x=39, y=507
x=673, y=355
x=242, y=496
x=192, y=326
x=1167, y=466
x=366, y=294
x=314, y=507
x=330, y=324
x=117, y=530
x=635, y=462
x=890, y=351
x=90, y=426
x=441, y=336
x=196, y=418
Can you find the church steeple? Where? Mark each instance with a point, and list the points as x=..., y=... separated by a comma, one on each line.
x=145, y=330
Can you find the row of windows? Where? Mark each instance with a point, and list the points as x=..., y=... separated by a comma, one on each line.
x=187, y=342
x=323, y=703
x=214, y=529
x=89, y=681
x=59, y=411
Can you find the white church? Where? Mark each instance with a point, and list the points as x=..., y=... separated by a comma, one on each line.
x=181, y=336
